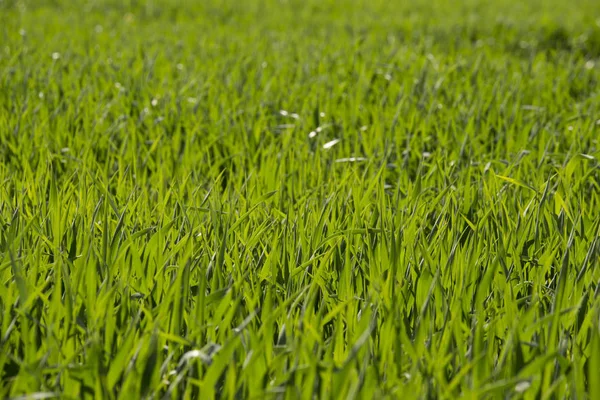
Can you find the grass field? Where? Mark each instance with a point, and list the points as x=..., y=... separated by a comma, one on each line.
x=300, y=199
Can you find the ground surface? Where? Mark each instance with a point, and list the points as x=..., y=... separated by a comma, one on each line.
x=299, y=198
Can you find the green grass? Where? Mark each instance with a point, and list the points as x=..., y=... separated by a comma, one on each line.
x=300, y=199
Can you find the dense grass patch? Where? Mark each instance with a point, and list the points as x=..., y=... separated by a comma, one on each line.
x=300, y=199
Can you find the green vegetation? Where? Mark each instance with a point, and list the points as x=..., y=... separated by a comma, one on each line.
x=300, y=199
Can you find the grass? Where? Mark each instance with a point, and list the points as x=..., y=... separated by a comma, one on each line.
x=299, y=199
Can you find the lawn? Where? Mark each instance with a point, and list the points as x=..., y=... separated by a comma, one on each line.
x=300, y=199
